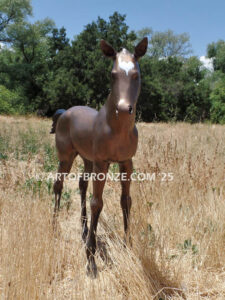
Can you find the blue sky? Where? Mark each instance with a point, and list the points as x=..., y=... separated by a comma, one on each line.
x=203, y=20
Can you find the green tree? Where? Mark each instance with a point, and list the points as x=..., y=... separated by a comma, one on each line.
x=9, y=102
x=217, y=52
x=167, y=43
x=82, y=75
x=144, y=32
x=160, y=88
x=194, y=101
x=58, y=41
x=24, y=65
x=43, y=71
x=217, y=98
x=12, y=12
x=173, y=89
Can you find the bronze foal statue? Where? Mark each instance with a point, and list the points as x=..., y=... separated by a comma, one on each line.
x=102, y=137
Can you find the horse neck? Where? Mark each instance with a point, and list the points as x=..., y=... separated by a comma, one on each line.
x=121, y=122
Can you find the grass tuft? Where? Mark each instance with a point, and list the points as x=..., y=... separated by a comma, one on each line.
x=177, y=218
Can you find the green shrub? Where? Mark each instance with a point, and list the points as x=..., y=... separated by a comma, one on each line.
x=217, y=97
x=6, y=100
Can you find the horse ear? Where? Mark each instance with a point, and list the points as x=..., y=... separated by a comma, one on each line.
x=107, y=49
x=141, y=48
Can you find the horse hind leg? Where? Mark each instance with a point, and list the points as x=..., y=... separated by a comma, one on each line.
x=83, y=185
x=63, y=169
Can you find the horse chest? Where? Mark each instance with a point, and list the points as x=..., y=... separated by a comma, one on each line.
x=117, y=148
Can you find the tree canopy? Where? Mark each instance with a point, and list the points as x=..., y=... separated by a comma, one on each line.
x=41, y=70
x=12, y=12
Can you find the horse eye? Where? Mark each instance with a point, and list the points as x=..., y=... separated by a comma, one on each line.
x=114, y=74
x=135, y=75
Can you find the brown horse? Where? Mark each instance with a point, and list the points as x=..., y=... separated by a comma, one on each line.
x=100, y=138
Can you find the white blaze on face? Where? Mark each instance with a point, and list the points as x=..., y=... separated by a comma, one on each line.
x=125, y=65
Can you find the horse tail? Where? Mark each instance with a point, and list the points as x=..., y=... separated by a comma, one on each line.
x=55, y=117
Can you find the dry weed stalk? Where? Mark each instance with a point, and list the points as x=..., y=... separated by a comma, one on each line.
x=178, y=226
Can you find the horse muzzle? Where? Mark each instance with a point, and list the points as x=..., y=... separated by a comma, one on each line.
x=124, y=107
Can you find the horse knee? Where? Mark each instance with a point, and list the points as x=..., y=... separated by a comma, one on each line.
x=96, y=205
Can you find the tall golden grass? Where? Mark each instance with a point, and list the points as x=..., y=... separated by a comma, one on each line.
x=177, y=226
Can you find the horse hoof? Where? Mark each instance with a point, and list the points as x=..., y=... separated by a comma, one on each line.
x=92, y=270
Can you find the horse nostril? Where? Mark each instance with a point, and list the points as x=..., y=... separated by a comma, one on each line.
x=130, y=109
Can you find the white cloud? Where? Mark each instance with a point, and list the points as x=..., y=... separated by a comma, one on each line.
x=2, y=46
x=207, y=62
x=5, y=46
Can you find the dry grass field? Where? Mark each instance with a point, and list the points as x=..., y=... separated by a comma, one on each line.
x=177, y=226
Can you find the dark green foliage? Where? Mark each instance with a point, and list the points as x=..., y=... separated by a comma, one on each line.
x=25, y=69
x=9, y=101
x=43, y=71
x=58, y=41
x=217, y=98
x=81, y=76
x=173, y=90
x=217, y=52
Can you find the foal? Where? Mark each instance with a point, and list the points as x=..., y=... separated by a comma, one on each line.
x=100, y=138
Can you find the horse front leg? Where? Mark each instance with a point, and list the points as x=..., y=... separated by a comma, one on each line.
x=126, y=168
x=96, y=207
